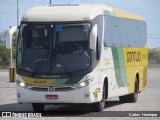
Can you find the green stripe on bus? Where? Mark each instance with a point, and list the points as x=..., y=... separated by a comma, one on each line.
x=71, y=80
x=117, y=66
x=120, y=68
x=60, y=81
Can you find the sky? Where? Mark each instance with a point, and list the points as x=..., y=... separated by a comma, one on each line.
x=150, y=9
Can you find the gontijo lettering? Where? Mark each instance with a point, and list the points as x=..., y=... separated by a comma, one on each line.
x=133, y=57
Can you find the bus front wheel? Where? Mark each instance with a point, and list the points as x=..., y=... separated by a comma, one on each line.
x=123, y=99
x=38, y=107
x=99, y=106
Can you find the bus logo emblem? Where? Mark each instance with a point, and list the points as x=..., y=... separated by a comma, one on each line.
x=51, y=89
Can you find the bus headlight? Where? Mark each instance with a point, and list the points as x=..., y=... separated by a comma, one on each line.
x=22, y=84
x=82, y=84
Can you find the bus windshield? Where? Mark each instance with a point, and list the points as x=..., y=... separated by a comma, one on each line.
x=51, y=48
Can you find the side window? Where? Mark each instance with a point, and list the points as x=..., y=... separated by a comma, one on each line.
x=130, y=35
x=141, y=34
x=124, y=32
x=108, y=32
x=116, y=32
x=120, y=32
x=136, y=34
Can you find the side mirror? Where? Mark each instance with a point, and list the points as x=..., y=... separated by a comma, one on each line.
x=9, y=34
x=93, y=37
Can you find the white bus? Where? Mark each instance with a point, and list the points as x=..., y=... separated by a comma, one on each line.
x=81, y=53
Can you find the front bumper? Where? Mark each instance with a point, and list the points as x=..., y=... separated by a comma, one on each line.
x=81, y=95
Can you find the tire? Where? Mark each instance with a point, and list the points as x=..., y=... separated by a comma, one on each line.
x=99, y=106
x=38, y=107
x=131, y=97
x=123, y=99
x=134, y=96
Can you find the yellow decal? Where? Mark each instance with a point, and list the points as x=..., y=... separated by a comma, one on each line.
x=97, y=90
x=136, y=61
x=135, y=56
x=107, y=62
x=37, y=82
x=124, y=14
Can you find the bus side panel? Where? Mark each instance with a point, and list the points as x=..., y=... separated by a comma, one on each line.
x=136, y=60
x=114, y=69
x=127, y=40
x=127, y=63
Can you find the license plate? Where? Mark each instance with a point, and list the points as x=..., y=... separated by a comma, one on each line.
x=51, y=97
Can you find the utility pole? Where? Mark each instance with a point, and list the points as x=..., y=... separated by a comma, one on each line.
x=11, y=56
x=11, y=62
x=17, y=14
x=50, y=2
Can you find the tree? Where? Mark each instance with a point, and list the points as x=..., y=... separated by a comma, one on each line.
x=154, y=54
x=4, y=57
x=5, y=53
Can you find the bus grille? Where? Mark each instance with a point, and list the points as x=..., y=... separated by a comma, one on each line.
x=39, y=88
x=46, y=89
x=64, y=88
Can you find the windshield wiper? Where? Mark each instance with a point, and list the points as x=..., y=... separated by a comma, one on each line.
x=40, y=61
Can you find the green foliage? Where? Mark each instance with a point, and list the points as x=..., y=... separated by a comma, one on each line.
x=5, y=53
x=158, y=57
x=4, y=57
x=154, y=54
x=2, y=36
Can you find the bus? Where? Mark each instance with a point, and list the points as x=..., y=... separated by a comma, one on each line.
x=49, y=70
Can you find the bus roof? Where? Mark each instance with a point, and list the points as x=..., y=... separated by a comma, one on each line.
x=62, y=13
x=75, y=12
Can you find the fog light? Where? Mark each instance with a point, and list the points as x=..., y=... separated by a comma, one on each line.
x=86, y=95
x=22, y=84
x=19, y=95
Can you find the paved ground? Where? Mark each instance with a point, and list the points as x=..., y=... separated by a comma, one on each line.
x=149, y=99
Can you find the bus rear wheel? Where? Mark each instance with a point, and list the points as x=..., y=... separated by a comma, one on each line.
x=38, y=107
x=134, y=96
x=131, y=97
